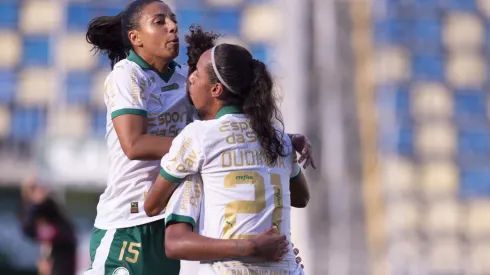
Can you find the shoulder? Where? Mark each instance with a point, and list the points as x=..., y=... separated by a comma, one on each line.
x=198, y=127
x=127, y=70
x=200, y=130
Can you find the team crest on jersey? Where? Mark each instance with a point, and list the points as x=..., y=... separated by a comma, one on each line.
x=174, y=86
x=121, y=271
x=134, y=207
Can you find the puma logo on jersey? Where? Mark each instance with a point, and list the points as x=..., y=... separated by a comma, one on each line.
x=159, y=98
x=229, y=223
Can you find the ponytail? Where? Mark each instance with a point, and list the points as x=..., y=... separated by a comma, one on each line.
x=106, y=35
x=260, y=107
x=247, y=83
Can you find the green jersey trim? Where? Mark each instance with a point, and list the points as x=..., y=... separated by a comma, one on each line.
x=297, y=176
x=230, y=109
x=180, y=219
x=134, y=57
x=169, y=177
x=129, y=111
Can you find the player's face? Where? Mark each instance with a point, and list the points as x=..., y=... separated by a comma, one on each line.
x=199, y=87
x=158, y=31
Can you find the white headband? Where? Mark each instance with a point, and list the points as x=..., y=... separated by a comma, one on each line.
x=215, y=69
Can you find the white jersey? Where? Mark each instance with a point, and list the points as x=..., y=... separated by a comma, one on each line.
x=241, y=195
x=134, y=88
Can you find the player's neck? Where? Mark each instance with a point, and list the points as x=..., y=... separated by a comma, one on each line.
x=157, y=63
x=211, y=112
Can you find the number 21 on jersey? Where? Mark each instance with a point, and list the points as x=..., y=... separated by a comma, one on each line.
x=251, y=207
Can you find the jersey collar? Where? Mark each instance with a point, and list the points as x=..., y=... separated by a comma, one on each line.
x=230, y=109
x=133, y=56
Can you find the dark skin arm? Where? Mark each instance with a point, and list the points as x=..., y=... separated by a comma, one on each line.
x=182, y=243
x=300, y=194
x=158, y=196
x=135, y=142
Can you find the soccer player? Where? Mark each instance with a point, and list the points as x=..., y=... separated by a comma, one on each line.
x=147, y=106
x=246, y=162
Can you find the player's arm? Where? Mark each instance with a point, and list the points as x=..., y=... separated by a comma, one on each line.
x=181, y=242
x=159, y=195
x=300, y=194
x=184, y=159
x=127, y=102
x=135, y=142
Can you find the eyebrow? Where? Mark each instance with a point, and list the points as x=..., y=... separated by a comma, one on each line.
x=163, y=15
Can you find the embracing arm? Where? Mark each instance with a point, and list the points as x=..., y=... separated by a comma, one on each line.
x=127, y=96
x=135, y=142
x=300, y=194
x=182, y=243
x=182, y=213
x=159, y=195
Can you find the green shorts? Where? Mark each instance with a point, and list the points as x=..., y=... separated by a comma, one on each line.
x=138, y=250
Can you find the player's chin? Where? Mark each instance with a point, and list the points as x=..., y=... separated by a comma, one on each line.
x=172, y=50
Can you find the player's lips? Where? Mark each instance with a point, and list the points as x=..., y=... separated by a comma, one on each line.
x=174, y=41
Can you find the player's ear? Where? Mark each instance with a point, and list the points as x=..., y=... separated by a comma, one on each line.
x=217, y=90
x=135, y=38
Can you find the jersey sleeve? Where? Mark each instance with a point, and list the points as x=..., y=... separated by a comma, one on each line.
x=185, y=156
x=185, y=204
x=126, y=91
x=295, y=168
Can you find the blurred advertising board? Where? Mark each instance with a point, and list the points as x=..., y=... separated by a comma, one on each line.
x=72, y=163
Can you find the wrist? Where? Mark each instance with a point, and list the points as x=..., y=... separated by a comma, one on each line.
x=252, y=249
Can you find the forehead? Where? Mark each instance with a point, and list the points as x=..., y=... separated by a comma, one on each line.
x=155, y=8
x=204, y=59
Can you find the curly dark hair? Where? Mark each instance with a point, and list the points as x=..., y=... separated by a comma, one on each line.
x=198, y=41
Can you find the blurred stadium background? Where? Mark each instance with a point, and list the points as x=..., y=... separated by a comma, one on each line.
x=393, y=94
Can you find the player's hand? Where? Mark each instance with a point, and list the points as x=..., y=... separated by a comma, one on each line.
x=298, y=258
x=269, y=245
x=303, y=146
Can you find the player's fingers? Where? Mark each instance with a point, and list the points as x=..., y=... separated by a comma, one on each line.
x=305, y=153
x=272, y=230
x=284, y=245
x=307, y=163
x=313, y=163
x=301, y=159
x=296, y=251
x=282, y=238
